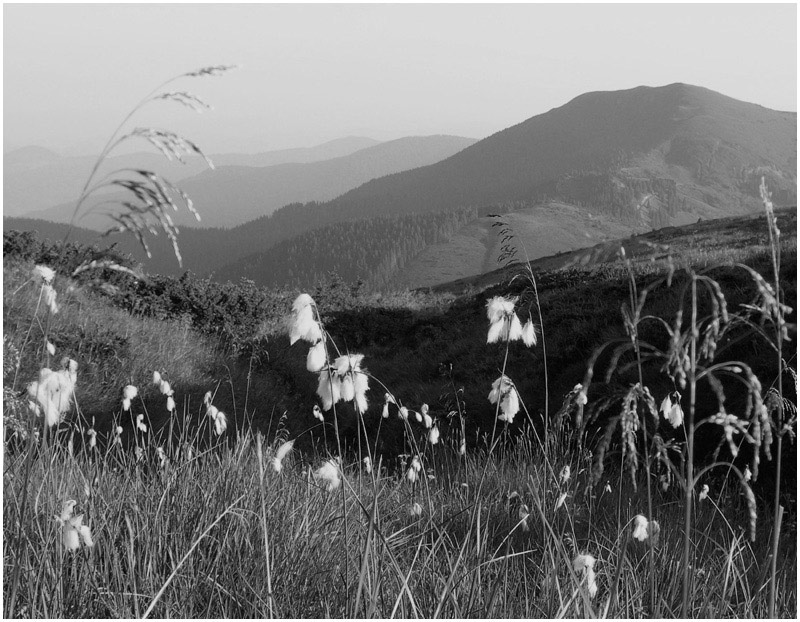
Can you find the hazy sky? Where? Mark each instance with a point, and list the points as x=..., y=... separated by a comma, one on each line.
x=312, y=73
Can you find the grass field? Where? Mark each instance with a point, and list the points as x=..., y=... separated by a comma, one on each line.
x=531, y=519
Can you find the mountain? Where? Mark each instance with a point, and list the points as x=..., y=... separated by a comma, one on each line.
x=36, y=179
x=604, y=164
x=232, y=195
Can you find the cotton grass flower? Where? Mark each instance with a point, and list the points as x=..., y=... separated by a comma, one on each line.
x=504, y=391
x=51, y=349
x=529, y=334
x=219, y=418
x=140, y=424
x=565, y=474
x=561, y=499
x=640, y=528
x=156, y=377
x=748, y=474
x=413, y=471
x=426, y=418
x=42, y=273
x=703, y=492
x=345, y=380
x=318, y=413
x=328, y=473
x=433, y=435
x=583, y=565
x=162, y=457
x=415, y=510
x=92, y=434
x=367, y=464
x=315, y=360
x=52, y=393
x=128, y=393
x=170, y=403
x=73, y=531
x=280, y=455
x=504, y=325
x=49, y=297
x=303, y=326
x=671, y=409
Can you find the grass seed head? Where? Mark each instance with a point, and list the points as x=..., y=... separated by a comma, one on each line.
x=43, y=273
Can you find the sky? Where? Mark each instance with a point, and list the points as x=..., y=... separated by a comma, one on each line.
x=310, y=73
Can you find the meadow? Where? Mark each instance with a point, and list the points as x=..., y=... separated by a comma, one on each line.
x=553, y=514
x=607, y=433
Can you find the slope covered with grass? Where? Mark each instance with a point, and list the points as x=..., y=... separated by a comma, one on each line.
x=196, y=524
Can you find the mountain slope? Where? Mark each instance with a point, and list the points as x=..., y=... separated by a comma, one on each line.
x=232, y=195
x=626, y=160
x=37, y=179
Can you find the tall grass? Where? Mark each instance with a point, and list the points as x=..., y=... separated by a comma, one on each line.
x=189, y=520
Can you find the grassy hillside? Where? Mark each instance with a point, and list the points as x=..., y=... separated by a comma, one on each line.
x=184, y=534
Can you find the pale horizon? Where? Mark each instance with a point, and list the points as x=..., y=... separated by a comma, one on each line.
x=309, y=74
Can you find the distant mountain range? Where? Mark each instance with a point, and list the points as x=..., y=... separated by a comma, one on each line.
x=36, y=179
x=231, y=194
x=603, y=165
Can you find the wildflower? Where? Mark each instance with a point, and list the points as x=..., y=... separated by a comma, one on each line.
x=415, y=510
x=52, y=393
x=128, y=393
x=403, y=413
x=672, y=409
x=49, y=295
x=329, y=389
x=329, y=474
x=433, y=435
x=425, y=416
x=318, y=413
x=367, y=464
x=45, y=273
x=315, y=360
x=583, y=564
x=51, y=349
x=640, y=528
x=561, y=499
x=283, y=450
x=413, y=470
x=504, y=325
x=140, y=424
x=348, y=383
x=92, y=434
x=385, y=412
x=580, y=400
x=73, y=531
x=219, y=418
x=170, y=403
x=703, y=492
x=207, y=398
x=504, y=391
x=303, y=324
x=166, y=388
x=565, y=474
x=156, y=377
x=417, y=416
x=529, y=334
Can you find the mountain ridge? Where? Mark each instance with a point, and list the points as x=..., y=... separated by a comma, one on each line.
x=638, y=159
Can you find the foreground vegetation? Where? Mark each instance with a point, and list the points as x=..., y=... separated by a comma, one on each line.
x=533, y=518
